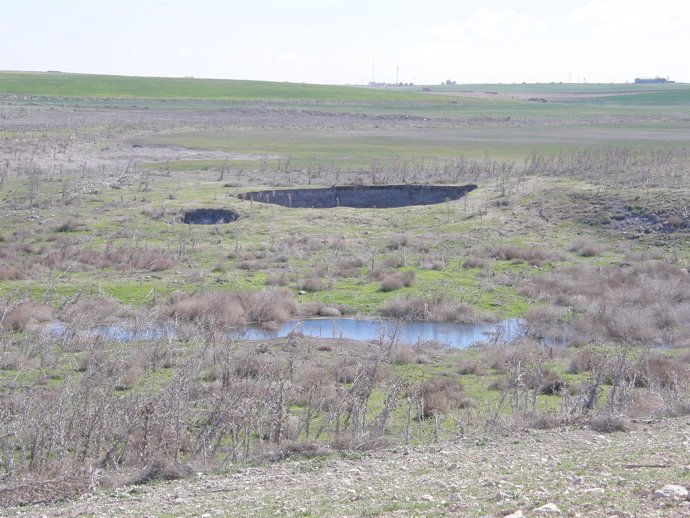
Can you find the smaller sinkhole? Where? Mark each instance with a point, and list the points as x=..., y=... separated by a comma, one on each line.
x=210, y=216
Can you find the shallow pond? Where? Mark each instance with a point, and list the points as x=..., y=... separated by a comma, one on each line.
x=452, y=335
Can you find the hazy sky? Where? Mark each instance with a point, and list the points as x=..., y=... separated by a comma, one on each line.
x=352, y=41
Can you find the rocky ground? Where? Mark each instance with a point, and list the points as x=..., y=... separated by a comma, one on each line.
x=567, y=472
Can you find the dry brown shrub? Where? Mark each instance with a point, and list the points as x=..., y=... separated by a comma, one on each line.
x=278, y=279
x=12, y=361
x=398, y=280
x=465, y=367
x=441, y=395
x=404, y=355
x=350, y=267
x=345, y=370
x=524, y=350
x=675, y=220
x=534, y=255
x=69, y=225
x=46, y=485
x=646, y=303
x=608, y=423
x=224, y=308
x=585, y=248
x=475, y=262
x=320, y=309
x=95, y=311
x=394, y=261
x=585, y=360
x=162, y=469
x=11, y=273
x=548, y=382
x=26, y=316
x=303, y=242
x=436, y=265
x=439, y=309
x=314, y=284
x=399, y=241
x=657, y=370
x=646, y=403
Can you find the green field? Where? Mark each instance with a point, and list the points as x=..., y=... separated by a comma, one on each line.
x=99, y=86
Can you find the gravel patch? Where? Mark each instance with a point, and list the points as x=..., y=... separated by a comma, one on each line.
x=568, y=472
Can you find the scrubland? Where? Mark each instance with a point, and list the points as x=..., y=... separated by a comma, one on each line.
x=579, y=226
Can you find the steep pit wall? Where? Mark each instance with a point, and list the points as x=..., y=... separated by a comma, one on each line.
x=361, y=196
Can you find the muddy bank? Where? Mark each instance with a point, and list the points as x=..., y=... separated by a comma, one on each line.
x=361, y=197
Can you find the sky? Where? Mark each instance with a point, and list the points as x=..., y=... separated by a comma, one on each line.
x=352, y=41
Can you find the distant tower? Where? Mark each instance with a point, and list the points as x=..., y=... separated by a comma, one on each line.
x=397, y=69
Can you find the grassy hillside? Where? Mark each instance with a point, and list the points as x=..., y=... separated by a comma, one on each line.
x=104, y=86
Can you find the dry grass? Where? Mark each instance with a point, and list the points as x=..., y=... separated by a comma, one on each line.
x=533, y=255
x=438, y=309
x=646, y=303
x=223, y=309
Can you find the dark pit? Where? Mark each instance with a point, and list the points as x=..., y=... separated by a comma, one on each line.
x=209, y=216
x=361, y=196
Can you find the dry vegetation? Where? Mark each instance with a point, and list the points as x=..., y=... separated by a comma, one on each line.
x=588, y=247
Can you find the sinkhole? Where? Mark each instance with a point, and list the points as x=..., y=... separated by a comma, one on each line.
x=209, y=216
x=361, y=196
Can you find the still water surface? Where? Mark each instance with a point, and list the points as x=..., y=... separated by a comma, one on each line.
x=452, y=335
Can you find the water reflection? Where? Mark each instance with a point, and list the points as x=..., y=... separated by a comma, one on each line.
x=452, y=335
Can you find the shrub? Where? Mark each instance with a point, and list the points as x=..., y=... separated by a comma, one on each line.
x=160, y=469
x=398, y=280
x=441, y=395
x=25, y=316
x=585, y=360
x=345, y=370
x=314, y=284
x=475, y=262
x=608, y=423
x=436, y=265
x=404, y=355
x=398, y=241
x=94, y=311
x=394, y=262
x=657, y=370
x=350, y=267
x=675, y=220
x=233, y=308
x=655, y=297
x=438, y=309
x=585, y=248
x=465, y=367
x=391, y=283
x=10, y=273
x=534, y=255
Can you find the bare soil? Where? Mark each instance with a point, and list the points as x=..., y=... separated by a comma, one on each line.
x=581, y=472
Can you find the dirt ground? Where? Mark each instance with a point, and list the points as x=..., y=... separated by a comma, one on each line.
x=573, y=472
